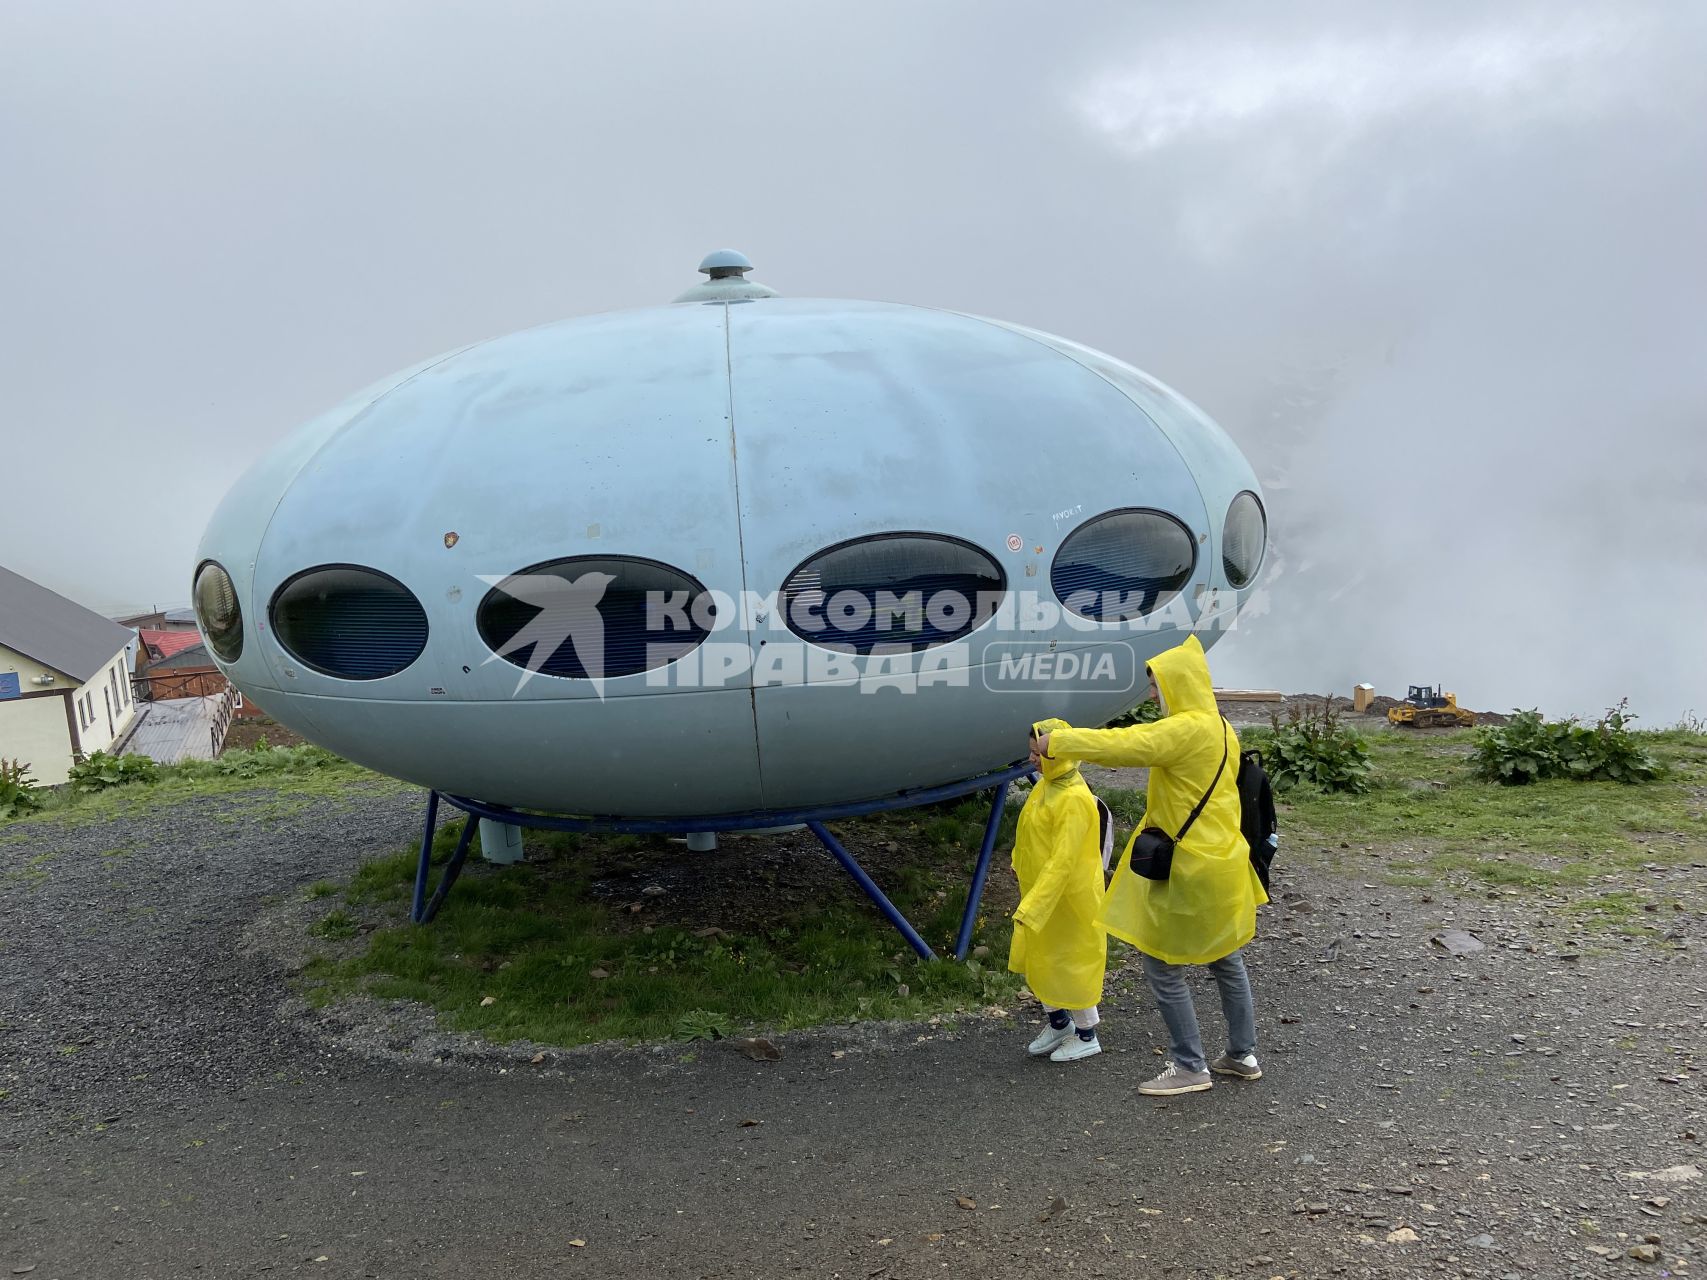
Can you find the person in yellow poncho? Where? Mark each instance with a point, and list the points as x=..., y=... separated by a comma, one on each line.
x=1205, y=911
x=1057, y=944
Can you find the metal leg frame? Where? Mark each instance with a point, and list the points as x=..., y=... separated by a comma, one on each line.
x=424, y=909
x=888, y=908
x=998, y=802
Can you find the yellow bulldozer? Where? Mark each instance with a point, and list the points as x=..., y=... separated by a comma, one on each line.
x=1429, y=708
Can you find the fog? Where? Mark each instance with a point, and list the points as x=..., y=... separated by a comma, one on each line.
x=1439, y=269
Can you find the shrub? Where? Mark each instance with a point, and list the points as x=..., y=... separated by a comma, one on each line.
x=1529, y=749
x=260, y=761
x=101, y=771
x=18, y=792
x=1146, y=712
x=1311, y=749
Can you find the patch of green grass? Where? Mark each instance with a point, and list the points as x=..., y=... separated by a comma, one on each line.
x=28, y=872
x=1125, y=803
x=945, y=832
x=1546, y=834
x=336, y=924
x=949, y=827
x=1406, y=875
x=264, y=782
x=1620, y=911
x=563, y=967
x=322, y=889
x=702, y=1024
x=1621, y=903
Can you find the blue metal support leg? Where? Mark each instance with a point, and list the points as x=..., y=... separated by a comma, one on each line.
x=422, y=867
x=865, y=882
x=424, y=911
x=423, y=908
x=975, y=895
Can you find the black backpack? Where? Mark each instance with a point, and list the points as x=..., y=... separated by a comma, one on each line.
x=1256, y=813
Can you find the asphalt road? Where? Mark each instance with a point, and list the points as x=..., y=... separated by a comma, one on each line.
x=168, y=1112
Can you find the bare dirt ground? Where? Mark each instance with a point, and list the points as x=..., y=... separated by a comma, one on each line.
x=246, y=733
x=167, y=1109
x=1373, y=720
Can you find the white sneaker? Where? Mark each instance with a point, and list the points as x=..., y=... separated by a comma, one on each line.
x=1076, y=1048
x=1048, y=1039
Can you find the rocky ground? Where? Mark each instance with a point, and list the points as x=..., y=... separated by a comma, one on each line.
x=1530, y=1107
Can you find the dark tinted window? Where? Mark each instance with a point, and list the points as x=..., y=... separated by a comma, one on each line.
x=893, y=591
x=217, y=612
x=590, y=617
x=1243, y=538
x=1123, y=565
x=350, y=622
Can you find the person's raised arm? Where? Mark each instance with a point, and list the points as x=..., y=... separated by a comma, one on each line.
x=1166, y=742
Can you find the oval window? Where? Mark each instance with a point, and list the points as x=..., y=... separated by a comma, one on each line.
x=345, y=621
x=592, y=617
x=894, y=591
x=1243, y=539
x=1123, y=565
x=217, y=611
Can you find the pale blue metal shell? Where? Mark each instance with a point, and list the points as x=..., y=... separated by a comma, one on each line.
x=731, y=440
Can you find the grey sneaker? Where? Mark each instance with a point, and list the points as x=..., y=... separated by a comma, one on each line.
x=1245, y=1068
x=1174, y=1080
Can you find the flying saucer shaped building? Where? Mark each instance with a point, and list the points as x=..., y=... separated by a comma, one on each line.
x=736, y=553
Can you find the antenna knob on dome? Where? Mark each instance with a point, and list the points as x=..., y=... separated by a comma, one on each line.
x=727, y=271
x=725, y=262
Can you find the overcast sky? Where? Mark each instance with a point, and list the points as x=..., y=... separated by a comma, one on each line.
x=1440, y=269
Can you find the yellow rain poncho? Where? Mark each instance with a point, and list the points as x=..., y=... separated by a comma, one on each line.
x=1206, y=908
x=1057, y=945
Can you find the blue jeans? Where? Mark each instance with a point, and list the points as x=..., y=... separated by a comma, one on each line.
x=1167, y=984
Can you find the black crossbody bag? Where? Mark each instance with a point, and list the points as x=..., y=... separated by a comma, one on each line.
x=1153, y=850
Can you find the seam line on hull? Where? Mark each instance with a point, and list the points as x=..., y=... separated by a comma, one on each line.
x=740, y=530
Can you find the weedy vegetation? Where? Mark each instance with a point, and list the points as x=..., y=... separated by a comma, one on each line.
x=101, y=771
x=19, y=794
x=1431, y=817
x=1529, y=749
x=1311, y=749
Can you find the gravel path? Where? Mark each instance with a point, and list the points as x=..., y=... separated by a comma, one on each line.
x=127, y=984
x=169, y=1112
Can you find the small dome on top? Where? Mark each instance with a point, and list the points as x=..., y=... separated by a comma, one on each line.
x=727, y=282
x=725, y=262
